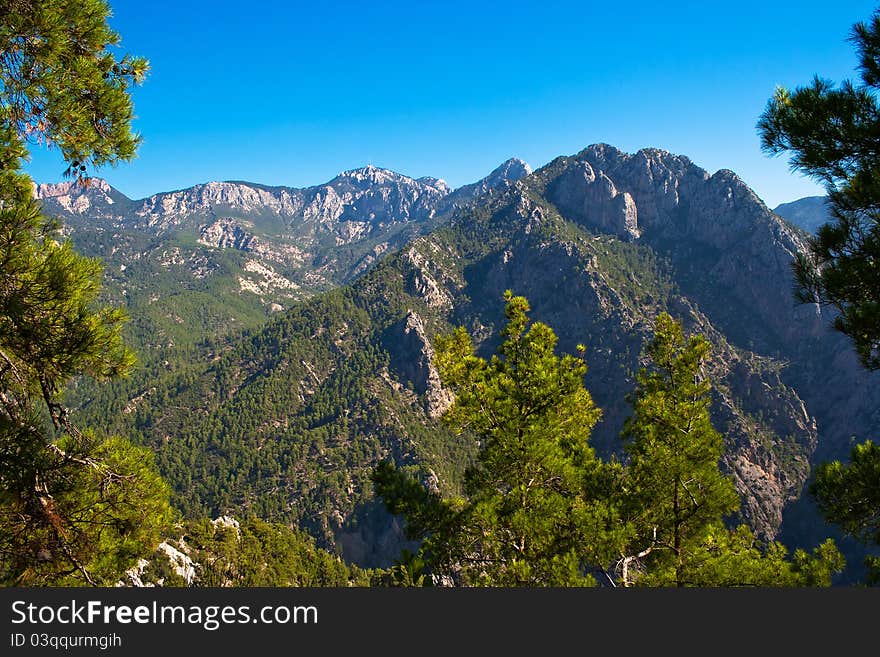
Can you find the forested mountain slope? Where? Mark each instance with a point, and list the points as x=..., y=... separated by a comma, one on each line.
x=287, y=419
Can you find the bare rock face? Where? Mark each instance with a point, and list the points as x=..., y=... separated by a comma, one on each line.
x=379, y=196
x=714, y=228
x=228, y=522
x=164, y=211
x=94, y=198
x=656, y=180
x=369, y=196
x=593, y=199
x=501, y=179
x=177, y=559
x=412, y=358
x=226, y=234
x=294, y=232
x=425, y=281
x=769, y=433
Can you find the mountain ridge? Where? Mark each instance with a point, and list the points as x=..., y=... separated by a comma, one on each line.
x=511, y=169
x=245, y=250
x=600, y=242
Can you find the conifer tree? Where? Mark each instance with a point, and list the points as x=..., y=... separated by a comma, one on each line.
x=74, y=508
x=677, y=498
x=674, y=450
x=833, y=135
x=849, y=496
x=535, y=510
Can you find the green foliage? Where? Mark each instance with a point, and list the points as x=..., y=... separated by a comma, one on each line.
x=529, y=517
x=74, y=508
x=677, y=488
x=62, y=84
x=849, y=496
x=286, y=421
x=96, y=507
x=408, y=572
x=540, y=509
x=50, y=328
x=257, y=553
x=674, y=450
x=831, y=135
x=734, y=558
x=676, y=495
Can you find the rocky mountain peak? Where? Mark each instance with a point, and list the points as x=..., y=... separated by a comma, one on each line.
x=369, y=175
x=657, y=190
x=737, y=192
x=371, y=179
x=601, y=151
x=436, y=183
x=501, y=178
x=652, y=163
x=88, y=186
x=91, y=196
x=511, y=170
x=808, y=213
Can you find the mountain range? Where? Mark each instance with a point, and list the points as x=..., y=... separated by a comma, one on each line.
x=241, y=251
x=286, y=335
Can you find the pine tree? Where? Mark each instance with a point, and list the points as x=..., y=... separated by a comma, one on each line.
x=536, y=510
x=62, y=83
x=849, y=496
x=831, y=134
x=674, y=450
x=73, y=507
x=676, y=495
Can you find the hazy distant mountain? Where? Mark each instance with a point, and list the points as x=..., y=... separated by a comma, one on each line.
x=808, y=213
x=288, y=419
x=499, y=180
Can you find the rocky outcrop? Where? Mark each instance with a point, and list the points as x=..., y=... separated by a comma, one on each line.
x=226, y=234
x=169, y=210
x=426, y=281
x=378, y=196
x=262, y=279
x=176, y=559
x=370, y=196
x=714, y=228
x=93, y=198
x=592, y=199
x=227, y=522
x=501, y=179
x=412, y=358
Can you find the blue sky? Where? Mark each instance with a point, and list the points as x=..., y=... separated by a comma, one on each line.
x=292, y=93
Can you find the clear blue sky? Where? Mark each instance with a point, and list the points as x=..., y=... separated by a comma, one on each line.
x=292, y=93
